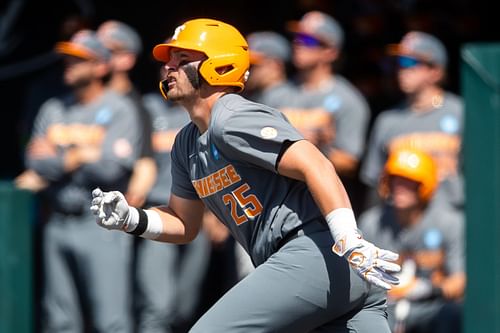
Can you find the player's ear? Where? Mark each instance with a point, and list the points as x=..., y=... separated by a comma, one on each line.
x=126, y=61
x=330, y=54
x=438, y=74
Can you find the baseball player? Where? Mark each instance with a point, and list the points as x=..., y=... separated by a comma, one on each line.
x=429, y=119
x=270, y=53
x=430, y=240
x=125, y=45
x=80, y=140
x=330, y=111
x=275, y=191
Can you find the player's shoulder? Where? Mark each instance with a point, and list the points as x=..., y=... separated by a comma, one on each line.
x=392, y=115
x=58, y=103
x=444, y=215
x=453, y=102
x=239, y=111
x=118, y=102
x=231, y=103
x=348, y=89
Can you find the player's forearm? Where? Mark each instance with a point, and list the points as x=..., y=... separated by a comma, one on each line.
x=162, y=224
x=174, y=230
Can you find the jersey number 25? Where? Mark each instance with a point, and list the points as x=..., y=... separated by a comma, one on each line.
x=249, y=203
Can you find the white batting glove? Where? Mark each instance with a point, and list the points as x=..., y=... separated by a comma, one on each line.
x=112, y=210
x=368, y=261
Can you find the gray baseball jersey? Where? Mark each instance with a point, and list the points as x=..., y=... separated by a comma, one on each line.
x=343, y=107
x=437, y=132
x=110, y=123
x=232, y=168
x=436, y=243
x=278, y=96
x=167, y=120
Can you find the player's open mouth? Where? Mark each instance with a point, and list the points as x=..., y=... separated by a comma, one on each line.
x=171, y=82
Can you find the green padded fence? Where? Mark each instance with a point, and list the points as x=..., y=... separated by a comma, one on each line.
x=16, y=264
x=480, y=65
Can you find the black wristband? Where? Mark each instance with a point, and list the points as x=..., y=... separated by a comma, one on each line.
x=142, y=225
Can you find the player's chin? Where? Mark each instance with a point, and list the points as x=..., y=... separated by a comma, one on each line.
x=174, y=97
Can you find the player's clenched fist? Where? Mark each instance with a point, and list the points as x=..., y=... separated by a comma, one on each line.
x=111, y=209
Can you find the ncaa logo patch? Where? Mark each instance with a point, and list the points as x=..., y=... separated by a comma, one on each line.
x=433, y=239
x=215, y=152
x=268, y=132
x=449, y=124
x=103, y=116
x=332, y=103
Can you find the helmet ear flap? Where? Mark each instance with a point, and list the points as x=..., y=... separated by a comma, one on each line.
x=224, y=69
x=164, y=88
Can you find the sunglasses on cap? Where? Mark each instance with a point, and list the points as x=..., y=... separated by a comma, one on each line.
x=410, y=62
x=307, y=40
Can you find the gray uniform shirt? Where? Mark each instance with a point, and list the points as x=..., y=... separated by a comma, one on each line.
x=110, y=123
x=232, y=168
x=436, y=243
x=437, y=132
x=343, y=107
x=278, y=96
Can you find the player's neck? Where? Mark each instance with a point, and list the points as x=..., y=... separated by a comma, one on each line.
x=89, y=93
x=120, y=82
x=315, y=78
x=200, y=109
x=409, y=217
x=427, y=99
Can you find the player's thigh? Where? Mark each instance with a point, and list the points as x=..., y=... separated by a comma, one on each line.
x=297, y=289
x=369, y=319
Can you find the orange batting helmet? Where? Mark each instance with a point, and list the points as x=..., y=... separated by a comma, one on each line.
x=226, y=49
x=412, y=164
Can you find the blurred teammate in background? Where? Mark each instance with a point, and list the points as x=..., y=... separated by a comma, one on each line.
x=331, y=112
x=80, y=140
x=270, y=54
x=429, y=119
x=430, y=240
x=125, y=45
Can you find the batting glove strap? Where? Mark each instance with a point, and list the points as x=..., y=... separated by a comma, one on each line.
x=342, y=224
x=137, y=222
x=145, y=223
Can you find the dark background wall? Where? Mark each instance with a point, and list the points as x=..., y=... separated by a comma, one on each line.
x=30, y=73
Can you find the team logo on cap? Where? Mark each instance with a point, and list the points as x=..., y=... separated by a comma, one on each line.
x=268, y=132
